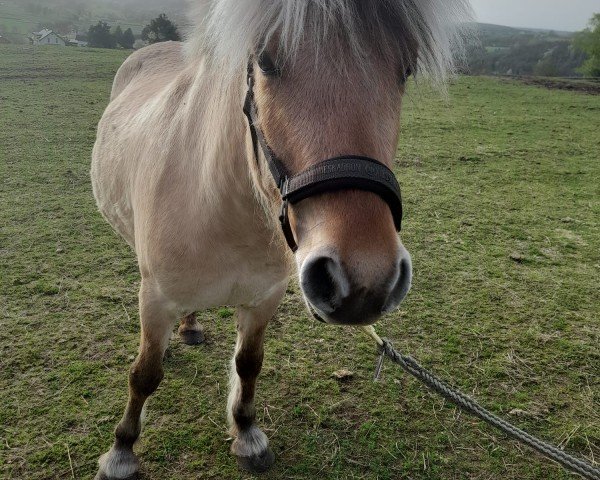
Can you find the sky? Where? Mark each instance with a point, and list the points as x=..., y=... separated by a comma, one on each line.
x=569, y=15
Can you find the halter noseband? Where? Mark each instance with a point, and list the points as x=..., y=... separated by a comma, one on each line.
x=340, y=173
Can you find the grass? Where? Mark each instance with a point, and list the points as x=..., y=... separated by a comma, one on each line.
x=502, y=205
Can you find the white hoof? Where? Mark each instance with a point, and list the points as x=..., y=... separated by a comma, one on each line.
x=251, y=447
x=117, y=464
x=250, y=442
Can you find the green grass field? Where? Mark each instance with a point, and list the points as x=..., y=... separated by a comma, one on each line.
x=501, y=183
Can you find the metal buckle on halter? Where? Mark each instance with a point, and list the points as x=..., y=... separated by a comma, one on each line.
x=286, y=227
x=284, y=217
x=250, y=73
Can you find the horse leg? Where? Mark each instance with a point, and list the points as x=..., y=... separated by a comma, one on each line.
x=251, y=445
x=144, y=377
x=190, y=330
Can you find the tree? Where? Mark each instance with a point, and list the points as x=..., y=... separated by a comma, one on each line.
x=161, y=29
x=99, y=36
x=127, y=39
x=118, y=34
x=546, y=68
x=588, y=41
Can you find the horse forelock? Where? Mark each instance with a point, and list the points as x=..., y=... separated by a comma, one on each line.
x=428, y=35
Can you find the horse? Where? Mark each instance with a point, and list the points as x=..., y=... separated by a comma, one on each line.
x=201, y=191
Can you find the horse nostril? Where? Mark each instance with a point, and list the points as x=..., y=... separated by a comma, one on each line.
x=324, y=282
x=403, y=284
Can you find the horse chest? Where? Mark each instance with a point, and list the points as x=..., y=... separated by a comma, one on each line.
x=212, y=270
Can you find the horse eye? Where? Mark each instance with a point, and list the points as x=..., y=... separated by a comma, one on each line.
x=405, y=75
x=267, y=66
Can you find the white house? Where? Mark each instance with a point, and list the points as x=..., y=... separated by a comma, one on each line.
x=47, y=37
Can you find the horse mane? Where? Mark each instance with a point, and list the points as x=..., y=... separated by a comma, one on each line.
x=430, y=34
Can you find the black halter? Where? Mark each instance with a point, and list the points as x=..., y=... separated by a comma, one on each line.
x=340, y=173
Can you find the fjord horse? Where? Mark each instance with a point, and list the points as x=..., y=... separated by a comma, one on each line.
x=197, y=189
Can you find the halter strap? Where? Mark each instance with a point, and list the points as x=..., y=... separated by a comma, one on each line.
x=345, y=173
x=339, y=173
x=276, y=167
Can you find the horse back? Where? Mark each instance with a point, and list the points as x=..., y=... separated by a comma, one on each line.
x=152, y=65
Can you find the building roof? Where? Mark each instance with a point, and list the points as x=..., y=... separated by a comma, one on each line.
x=50, y=33
x=44, y=33
x=79, y=43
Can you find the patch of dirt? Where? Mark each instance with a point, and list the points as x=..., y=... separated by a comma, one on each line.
x=590, y=87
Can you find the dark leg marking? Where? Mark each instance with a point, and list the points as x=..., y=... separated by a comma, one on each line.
x=120, y=463
x=251, y=446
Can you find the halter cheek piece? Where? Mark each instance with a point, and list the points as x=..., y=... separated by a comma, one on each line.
x=348, y=172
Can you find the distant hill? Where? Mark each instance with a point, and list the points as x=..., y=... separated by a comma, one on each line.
x=500, y=35
x=523, y=51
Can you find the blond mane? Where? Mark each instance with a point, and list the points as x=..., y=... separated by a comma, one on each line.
x=430, y=34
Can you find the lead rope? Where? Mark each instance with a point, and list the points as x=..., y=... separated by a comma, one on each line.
x=410, y=365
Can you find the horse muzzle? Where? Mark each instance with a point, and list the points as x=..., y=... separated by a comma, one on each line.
x=335, y=294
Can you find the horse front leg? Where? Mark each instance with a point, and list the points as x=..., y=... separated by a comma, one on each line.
x=144, y=377
x=251, y=445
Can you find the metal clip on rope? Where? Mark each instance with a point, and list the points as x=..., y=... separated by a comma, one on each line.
x=410, y=365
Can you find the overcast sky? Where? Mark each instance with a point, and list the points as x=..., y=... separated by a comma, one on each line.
x=570, y=15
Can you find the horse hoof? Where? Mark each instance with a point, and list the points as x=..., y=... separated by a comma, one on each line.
x=257, y=463
x=102, y=476
x=118, y=464
x=191, y=337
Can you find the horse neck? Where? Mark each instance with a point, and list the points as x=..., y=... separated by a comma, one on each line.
x=218, y=128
